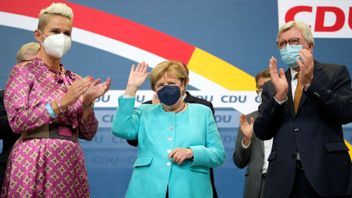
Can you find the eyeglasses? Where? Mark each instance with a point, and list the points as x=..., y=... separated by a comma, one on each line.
x=291, y=41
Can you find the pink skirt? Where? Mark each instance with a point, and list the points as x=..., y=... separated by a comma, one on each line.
x=46, y=168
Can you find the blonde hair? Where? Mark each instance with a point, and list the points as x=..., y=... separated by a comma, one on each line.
x=303, y=27
x=54, y=9
x=27, y=52
x=173, y=67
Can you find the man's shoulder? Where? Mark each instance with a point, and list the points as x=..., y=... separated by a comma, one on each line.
x=328, y=66
x=192, y=99
x=269, y=86
x=331, y=71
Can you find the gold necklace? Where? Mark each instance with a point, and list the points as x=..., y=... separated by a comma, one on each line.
x=183, y=107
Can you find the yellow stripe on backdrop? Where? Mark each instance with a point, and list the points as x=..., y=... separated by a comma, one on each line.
x=349, y=146
x=220, y=72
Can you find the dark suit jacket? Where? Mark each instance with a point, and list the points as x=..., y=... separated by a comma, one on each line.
x=9, y=138
x=252, y=158
x=190, y=99
x=315, y=132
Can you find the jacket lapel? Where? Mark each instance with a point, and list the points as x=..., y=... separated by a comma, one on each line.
x=289, y=94
x=255, y=139
x=261, y=145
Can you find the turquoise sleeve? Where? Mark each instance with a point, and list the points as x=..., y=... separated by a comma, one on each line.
x=125, y=123
x=213, y=153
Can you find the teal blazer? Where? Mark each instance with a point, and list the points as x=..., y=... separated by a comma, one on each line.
x=158, y=133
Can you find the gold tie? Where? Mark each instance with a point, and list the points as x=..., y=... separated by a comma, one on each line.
x=298, y=93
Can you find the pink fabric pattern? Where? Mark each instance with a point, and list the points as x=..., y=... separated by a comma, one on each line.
x=44, y=167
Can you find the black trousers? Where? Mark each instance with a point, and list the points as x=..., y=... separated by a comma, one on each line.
x=215, y=194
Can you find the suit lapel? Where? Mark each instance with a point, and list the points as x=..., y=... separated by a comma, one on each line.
x=261, y=145
x=289, y=94
x=255, y=139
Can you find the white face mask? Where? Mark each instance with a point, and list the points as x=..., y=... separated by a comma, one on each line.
x=56, y=45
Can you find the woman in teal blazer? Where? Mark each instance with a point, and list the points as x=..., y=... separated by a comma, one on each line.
x=177, y=142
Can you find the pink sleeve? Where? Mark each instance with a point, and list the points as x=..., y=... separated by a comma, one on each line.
x=23, y=116
x=88, y=128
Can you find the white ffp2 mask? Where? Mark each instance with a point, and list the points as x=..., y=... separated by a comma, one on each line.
x=57, y=45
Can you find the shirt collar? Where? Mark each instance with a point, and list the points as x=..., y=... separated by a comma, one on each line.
x=293, y=74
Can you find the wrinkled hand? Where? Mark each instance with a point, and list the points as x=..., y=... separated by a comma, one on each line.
x=306, y=67
x=179, y=155
x=246, y=128
x=278, y=79
x=75, y=91
x=95, y=90
x=136, y=78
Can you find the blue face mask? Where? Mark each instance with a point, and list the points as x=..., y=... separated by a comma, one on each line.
x=169, y=95
x=290, y=54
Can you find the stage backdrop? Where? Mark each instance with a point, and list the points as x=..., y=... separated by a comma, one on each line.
x=224, y=43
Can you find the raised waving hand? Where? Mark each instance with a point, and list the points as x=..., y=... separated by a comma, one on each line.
x=137, y=76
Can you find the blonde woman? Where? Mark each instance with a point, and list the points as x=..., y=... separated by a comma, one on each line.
x=51, y=108
x=27, y=52
x=178, y=142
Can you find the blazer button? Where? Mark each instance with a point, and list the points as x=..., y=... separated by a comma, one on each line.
x=169, y=138
x=168, y=164
x=171, y=128
x=168, y=151
x=296, y=129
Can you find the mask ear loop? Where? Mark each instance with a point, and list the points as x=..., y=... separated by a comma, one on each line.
x=41, y=33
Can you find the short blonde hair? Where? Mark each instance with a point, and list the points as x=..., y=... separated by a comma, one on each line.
x=303, y=27
x=54, y=9
x=27, y=52
x=173, y=67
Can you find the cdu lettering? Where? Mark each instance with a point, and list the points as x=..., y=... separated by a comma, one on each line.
x=98, y=139
x=103, y=98
x=223, y=118
x=207, y=98
x=107, y=118
x=140, y=98
x=233, y=99
x=105, y=160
